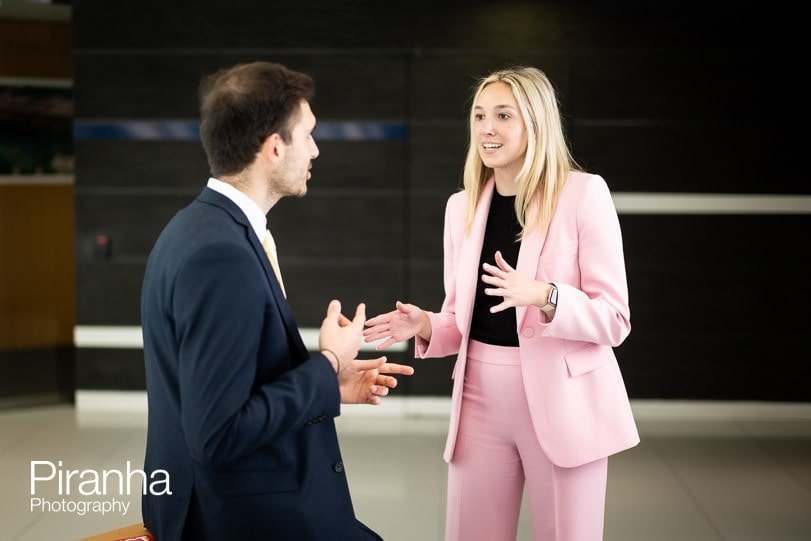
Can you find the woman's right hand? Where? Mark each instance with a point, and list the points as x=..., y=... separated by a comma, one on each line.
x=401, y=324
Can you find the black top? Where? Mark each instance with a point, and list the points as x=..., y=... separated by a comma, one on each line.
x=501, y=234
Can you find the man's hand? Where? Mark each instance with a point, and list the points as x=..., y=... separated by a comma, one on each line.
x=364, y=382
x=340, y=336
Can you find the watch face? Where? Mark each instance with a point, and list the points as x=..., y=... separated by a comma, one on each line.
x=553, y=296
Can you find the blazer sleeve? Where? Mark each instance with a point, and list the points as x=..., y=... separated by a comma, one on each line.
x=598, y=310
x=220, y=307
x=445, y=335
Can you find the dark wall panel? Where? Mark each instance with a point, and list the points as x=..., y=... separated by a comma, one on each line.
x=712, y=310
x=444, y=81
x=375, y=167
x=687, y=120
x=131, y=222
x=356, y=225
x=109, y=293
x=437, y=157
x=103, y=369
x=654, y=157
x=666, y=100
x=165, y=167
x=39, y=373
x=131, y=166
x=154, y=85
x=244, y=24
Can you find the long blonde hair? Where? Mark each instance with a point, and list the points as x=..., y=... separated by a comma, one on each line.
x=547, y=162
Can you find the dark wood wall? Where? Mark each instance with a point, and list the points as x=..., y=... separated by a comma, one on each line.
x=37, y=278
x=657, y=98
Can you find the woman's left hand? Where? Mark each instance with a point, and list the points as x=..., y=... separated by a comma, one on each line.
x=517, y=289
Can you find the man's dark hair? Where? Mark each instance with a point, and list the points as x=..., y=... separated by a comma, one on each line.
x=242, y=105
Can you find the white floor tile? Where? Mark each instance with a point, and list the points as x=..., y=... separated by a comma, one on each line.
x=690, y=481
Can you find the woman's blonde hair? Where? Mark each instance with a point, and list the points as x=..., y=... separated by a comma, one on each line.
x=547, y=162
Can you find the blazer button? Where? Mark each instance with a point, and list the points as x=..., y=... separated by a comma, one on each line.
x=338, y=467
x=528, y=332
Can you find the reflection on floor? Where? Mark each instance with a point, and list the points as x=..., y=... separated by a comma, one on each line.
x=690, y=481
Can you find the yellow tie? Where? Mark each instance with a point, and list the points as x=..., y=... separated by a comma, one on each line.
x=270, y=249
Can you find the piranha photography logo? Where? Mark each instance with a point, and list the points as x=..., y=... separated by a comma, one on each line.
x=57, y=489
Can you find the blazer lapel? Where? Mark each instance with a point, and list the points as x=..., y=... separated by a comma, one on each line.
x=469, y=257
x=278, y=295
x=275, y=288
x=528, y=256
x=215, y=198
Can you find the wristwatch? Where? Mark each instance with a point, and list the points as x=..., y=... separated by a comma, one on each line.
x=552, y=300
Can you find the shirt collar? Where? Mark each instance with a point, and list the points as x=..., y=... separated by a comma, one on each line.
x=256, y=217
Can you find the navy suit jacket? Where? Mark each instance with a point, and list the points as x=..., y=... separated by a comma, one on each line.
x=240, y=415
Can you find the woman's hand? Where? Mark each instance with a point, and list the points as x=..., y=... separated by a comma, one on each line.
x=517, y=289
x=401, y=324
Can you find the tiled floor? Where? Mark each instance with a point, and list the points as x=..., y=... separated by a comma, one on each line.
x=689, y=481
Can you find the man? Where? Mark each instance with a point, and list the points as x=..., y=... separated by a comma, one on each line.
x=240, y=415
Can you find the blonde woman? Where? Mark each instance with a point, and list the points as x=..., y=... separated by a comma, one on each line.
x=535, y=299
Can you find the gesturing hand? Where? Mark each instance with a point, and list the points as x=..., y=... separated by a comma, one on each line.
x=364, y=382
x=339, y=335
x=517, y=289
x=401, y=324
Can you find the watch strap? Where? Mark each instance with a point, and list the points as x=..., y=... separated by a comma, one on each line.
x=551, y=300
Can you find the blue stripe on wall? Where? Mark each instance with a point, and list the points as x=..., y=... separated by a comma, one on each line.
x=189, y=130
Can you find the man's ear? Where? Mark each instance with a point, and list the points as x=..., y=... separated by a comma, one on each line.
x=273, y=148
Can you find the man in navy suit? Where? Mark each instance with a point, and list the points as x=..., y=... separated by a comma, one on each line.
x=240, y=414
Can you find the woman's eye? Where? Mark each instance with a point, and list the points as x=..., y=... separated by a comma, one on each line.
x=478, y=116
x=504, y=116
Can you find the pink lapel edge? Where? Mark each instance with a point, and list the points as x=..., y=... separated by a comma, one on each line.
x=469, y=256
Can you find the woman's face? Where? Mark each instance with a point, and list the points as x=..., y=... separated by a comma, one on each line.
x=498, y=128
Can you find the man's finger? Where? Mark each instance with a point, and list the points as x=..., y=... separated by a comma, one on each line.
x=394, y=368
x=360, y=315
x=381, y=390
x=386, y=381
x=334, y=307
x=333, y=310
x=371, y=364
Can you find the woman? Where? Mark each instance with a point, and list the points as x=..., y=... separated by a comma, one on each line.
x=538, y=396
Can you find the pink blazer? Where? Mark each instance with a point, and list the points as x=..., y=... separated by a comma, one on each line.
x=577, y=398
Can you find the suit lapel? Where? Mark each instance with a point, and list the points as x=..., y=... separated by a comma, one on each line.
x=215, y=198
x=283, y=306
x=469, y=257
x=278, y=295
x=528, y=256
